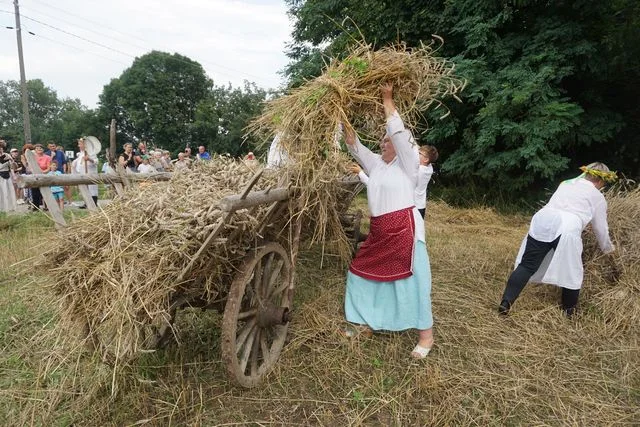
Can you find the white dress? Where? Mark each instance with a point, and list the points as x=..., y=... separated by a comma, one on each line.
x=78, y=167
x=575, y=204
x=7, y=193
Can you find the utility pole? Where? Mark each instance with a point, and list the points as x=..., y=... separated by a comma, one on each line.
x=23, y=79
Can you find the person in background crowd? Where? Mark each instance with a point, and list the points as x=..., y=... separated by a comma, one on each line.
x=202, y=153
x=19, y=170
x=85, y=163
x=67, y=169
x=166, y=160
x=56, y=190
x=428, y=155
x=141, y=151
x=145, y=166
x=187, y=154
x=552, y=250
x=27, y=194
x=127, y=159
x=43, y=162
x=155, y=160
x=7, y=192
x=57, y=156
x=181, y=163
x=389, y=280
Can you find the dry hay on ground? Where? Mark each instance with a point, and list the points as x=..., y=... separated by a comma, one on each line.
x=619, y=299
x=533, y=368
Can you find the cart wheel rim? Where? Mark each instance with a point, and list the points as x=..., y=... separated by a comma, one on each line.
x=256, y=314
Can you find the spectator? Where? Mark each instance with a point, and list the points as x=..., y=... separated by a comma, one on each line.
x=145, y=166
x=57, y=156
x=127, y=159
x=202, y=153
x=27, y=193
x=7, y=192
x=17, y=171
x=182, y=163
x=43, y=161
x=56, y=190
x=85, y=163
x=141, y=151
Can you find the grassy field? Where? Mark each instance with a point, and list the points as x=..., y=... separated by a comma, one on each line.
x=533, y=368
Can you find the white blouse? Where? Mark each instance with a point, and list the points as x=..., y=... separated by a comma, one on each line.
x=424, y=176
x=391, y=186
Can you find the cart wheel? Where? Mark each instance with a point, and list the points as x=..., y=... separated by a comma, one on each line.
x=256, y=315
x=351, y=224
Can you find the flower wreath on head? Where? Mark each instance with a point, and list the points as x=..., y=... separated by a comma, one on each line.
x=610, y=176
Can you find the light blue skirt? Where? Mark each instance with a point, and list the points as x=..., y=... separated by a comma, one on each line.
x=392, y=306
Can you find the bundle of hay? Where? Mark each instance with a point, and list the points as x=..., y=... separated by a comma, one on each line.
x=347, y=95
x=117, y=269
x=617, y=295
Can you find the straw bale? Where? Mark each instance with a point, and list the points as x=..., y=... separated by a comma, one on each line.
x=116, y=270
x=618, y=297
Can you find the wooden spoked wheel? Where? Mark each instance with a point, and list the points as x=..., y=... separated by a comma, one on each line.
x=254, y=325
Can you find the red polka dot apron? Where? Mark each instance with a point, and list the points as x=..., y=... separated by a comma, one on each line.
x=387, y=254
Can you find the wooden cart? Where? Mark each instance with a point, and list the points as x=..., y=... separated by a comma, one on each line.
x=257, y=306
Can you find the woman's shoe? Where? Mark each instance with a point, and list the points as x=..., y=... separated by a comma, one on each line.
x=420, y=352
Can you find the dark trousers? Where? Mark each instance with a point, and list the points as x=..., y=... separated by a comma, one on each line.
x=534, y=254
x=36, y=197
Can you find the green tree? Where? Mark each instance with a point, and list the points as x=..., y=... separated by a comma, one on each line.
x=62, y=121
x=156, y=99
x=551, y=84
x=221, y=119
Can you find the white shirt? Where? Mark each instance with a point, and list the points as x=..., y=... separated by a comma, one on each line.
x=277, y=156
x=424, y=176
x=142, y=168
x=580, y=198
x=391, y=186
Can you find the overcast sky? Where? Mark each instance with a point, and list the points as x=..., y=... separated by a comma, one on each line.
x=80, y=45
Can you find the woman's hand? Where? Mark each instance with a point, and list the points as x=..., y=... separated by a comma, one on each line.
x=355, y=169
x=349, y=136
x=386, y=90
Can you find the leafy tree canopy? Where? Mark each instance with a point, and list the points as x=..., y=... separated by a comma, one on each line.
x=552, y=85
x=52, y=119
x=156, y=99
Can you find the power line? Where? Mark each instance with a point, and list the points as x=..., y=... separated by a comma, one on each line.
x=213, y=64
x=77, y=36
x=74, y=47
x=125, y=53
x=75, y=24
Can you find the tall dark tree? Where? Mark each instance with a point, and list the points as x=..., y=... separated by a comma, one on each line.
x=156, y=99
x=221, y=119
x=551, y=84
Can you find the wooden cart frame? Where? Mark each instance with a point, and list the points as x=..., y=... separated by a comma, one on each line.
x=257, y=307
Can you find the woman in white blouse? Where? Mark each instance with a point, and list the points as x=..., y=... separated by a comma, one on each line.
x=389, y=280
x=552, y=250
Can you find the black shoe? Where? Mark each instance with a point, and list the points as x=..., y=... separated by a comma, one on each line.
x=504, y=307
x=570, y=311
x=82, y=207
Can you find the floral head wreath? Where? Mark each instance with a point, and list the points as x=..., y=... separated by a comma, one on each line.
x=610, y=176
